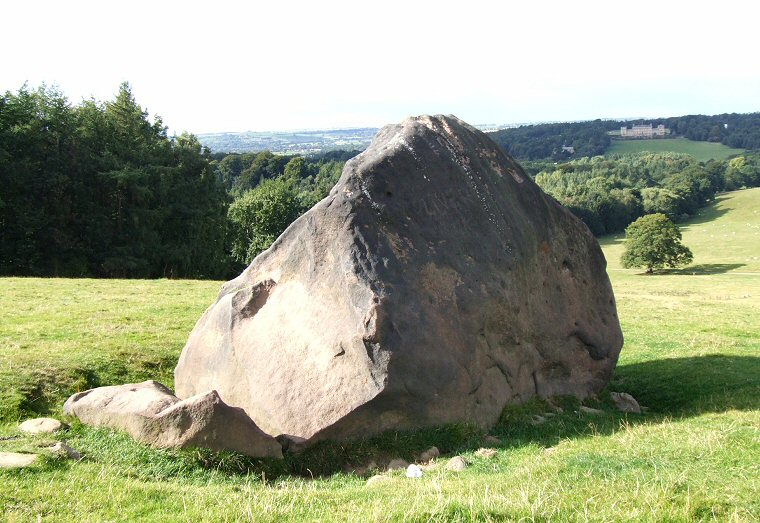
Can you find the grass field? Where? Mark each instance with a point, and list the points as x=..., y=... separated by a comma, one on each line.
x=691, y=356
x=702, y=151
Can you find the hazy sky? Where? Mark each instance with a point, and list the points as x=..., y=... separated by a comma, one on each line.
x=235, y=66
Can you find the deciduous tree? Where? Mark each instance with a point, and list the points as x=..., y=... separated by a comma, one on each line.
x=653, y=241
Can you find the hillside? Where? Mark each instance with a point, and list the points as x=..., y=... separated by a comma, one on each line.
x=690, y=357
x=701, y=151
x=569, y=140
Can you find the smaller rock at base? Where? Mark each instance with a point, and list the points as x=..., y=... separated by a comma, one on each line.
x=377, y=479
x=456, y=464
x=15, y=460
x=537, y=420
x=360, y=470
x=413, y=471
x=625, y=402
x=397, y=464
x=589, y=410
x=491, y=440
x=62, y=449
x=485, y=453
x=430, y=454
x=41, y=426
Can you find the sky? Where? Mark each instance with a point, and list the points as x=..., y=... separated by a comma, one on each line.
x=227, y=66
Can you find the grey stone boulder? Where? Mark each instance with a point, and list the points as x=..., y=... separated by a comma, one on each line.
x=435, y=284
x=150, y=413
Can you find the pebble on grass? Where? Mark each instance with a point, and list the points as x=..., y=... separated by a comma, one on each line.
x=456, y=464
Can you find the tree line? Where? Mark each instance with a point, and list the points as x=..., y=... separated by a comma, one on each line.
x=608, y=193
x=99, y=189
x=546, y=141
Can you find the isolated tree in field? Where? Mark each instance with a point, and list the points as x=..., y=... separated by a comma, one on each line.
x=653, y=241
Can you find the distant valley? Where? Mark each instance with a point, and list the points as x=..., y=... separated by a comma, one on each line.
x=290, y=142
x=704, y=137
x=303, y=142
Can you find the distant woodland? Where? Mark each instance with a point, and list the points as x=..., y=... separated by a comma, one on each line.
x=99, y=189
x=546, y=141
x=608, y=193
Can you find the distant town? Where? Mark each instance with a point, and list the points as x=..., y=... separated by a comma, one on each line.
x=306, y=142
x=303, y=142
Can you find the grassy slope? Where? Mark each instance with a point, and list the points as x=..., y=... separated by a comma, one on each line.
x=724, y=236
x=692, y=356
x=702, y=151
x=58, y=336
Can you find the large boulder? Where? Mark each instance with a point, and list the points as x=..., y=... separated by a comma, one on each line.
x=435, y=284
x=150, y=413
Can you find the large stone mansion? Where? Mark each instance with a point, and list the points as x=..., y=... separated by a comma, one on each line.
x=643, y=131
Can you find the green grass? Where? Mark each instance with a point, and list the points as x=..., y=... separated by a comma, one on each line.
x=691, y=356
x=701, y=151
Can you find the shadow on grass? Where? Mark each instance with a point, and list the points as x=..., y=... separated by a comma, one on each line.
x=703, y=268
x=693, y=385
x=667, y=388
x=709, y=213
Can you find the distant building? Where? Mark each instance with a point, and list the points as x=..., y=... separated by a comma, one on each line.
x=643, y=131
x=568, y=149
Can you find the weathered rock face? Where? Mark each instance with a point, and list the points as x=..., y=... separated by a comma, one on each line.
x=150, y=413
x=436, y=283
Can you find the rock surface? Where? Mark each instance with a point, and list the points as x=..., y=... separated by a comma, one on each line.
x=413, y=471
x=150, y=413
x=435, y=284
x=41, y=426
x=397, y=464
x=429, y=454
x=625, y=402
x=492, y=440
x=62, y=449
x=15, y=460
x=456, y=464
